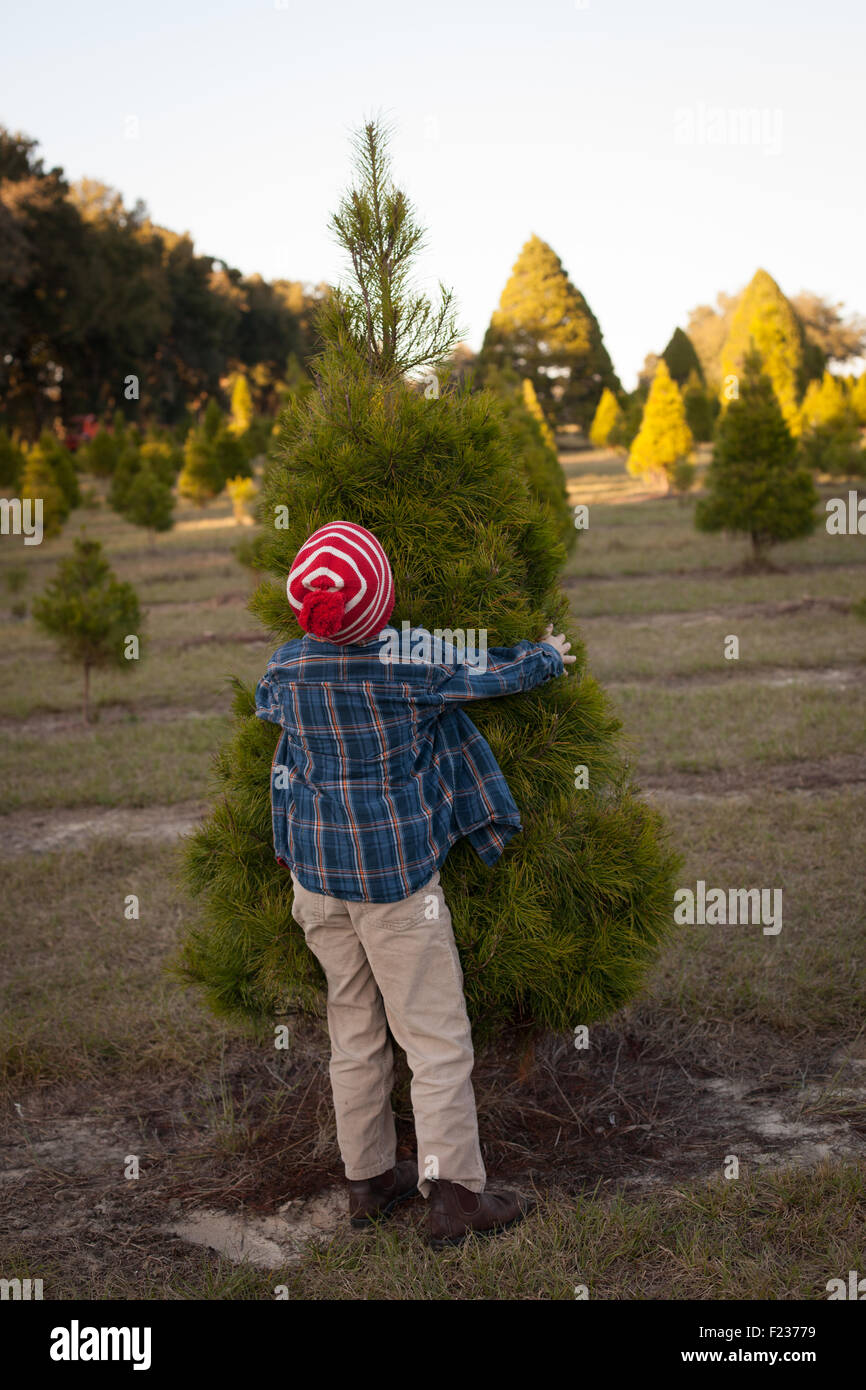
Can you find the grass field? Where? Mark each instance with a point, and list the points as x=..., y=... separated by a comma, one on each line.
x=744, y=1045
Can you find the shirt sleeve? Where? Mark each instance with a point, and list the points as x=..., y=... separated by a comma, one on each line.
x=267, y=701
x=506, y=671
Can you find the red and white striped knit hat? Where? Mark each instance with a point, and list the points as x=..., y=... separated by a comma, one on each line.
x=340, y=585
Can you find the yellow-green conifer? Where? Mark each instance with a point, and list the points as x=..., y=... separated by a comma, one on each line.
x=764, y=321
x=607, y=413
x=664, y=439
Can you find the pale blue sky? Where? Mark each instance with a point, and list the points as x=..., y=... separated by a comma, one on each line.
x=609, y=128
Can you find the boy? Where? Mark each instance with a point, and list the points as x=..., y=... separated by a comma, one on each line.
x=384, y=772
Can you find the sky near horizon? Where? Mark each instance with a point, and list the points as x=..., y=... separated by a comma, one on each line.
x=664, y=151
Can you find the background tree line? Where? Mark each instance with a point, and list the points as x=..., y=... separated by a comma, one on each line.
x=94, y=292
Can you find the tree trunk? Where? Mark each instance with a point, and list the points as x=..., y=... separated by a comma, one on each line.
x=86, y=693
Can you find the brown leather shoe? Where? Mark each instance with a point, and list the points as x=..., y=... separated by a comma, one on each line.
x=455, y=1211
x=371, y=1199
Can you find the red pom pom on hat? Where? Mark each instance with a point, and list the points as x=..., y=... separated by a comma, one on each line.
x=322, y=610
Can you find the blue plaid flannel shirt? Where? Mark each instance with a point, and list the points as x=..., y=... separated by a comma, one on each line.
x=378, y=771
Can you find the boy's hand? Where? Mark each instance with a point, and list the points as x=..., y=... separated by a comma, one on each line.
x=559, y=643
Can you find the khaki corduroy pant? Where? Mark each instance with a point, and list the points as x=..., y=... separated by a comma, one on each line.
x=396, y=962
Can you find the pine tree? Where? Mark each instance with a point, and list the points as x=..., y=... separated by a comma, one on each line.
x=62, y=465
x=754, y=483
x=532, y=444
x=100, y=454
x=607, y=416
x=229, y=457
x=563, y=928
x=830, y=434
x=89, y=613
x=765, y=322
x=214, y=421
x=125, y=470
x=627, y=424
x=664, y=440
x=701, y=409
x=201, y=477
x=39, y=481
x=163, y=456
x=682, y=478
x=258, y=438
x=545, y=330
x=681, y=358
x=242, y=406
x=149, y=502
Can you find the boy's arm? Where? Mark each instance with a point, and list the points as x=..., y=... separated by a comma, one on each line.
x=267, y=701
x=508, y=670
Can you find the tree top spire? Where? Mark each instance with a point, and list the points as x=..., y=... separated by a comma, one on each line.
x=378, y=319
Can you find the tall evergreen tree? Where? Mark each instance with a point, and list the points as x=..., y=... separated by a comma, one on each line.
x=564, y=927
x=607, y=415
x=664, y=440
x=755, y=483
x=545, y=330
x=681, y=358
x=765, y=322
x=89, y=613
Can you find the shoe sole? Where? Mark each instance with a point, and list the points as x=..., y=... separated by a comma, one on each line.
x=444, y=1242
x=361, y=1222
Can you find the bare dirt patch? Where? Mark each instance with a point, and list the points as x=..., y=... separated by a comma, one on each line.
x=638, y=1110
x=573, y=581
x=815, y=677
x=231, y=599
x=839, y=770
x=61, y=721
x=691, y=617
x=44, y=832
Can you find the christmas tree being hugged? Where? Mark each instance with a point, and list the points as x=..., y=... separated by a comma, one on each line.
x=532, y=442
x=561, y=929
